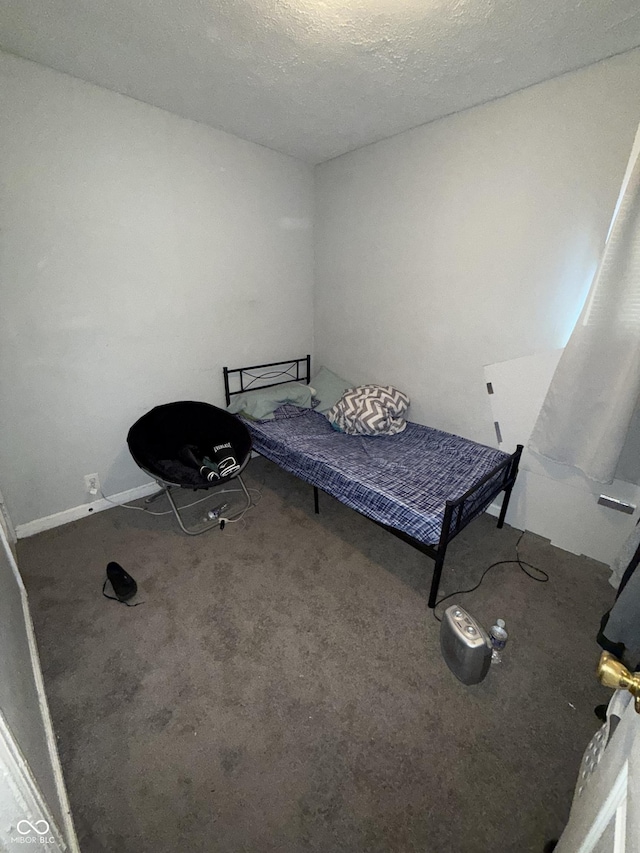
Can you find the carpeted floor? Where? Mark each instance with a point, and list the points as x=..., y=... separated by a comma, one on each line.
x=281, y=688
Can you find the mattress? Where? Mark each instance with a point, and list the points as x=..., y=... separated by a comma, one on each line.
x=402, y=481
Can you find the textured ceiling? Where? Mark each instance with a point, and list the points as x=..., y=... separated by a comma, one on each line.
x=317, y=78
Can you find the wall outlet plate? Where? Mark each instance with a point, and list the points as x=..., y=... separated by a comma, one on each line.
x=92, y=483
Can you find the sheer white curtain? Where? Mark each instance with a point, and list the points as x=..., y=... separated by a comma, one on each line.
x=591, y=401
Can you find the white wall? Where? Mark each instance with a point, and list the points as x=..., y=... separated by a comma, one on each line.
x=471, y=241
x=140, y=253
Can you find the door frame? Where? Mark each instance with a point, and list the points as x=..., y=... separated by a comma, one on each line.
x=20, y=781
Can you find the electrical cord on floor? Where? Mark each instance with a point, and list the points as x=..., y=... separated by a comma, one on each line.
x=254, y=502
x=524, y=566
x=225, y=522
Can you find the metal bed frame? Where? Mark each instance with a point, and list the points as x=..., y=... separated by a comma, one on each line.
x=458, y=513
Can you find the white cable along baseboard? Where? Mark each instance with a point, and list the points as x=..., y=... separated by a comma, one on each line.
x=48, y=522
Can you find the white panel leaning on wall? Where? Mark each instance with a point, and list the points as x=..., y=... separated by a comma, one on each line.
x=553, y=500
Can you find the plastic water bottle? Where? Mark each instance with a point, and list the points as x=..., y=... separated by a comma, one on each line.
x=215, y=512
x=498, y=637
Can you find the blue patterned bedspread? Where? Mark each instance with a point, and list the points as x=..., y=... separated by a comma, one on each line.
x=402, y=481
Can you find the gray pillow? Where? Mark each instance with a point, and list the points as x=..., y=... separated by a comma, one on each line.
x=328, y=388
x=261, y=403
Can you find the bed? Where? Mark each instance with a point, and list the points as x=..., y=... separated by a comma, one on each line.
x=423, y=485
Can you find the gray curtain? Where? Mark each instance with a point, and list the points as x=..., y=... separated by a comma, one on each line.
x=590, y=405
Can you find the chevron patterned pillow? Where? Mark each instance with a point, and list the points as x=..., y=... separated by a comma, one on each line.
x=370, y=410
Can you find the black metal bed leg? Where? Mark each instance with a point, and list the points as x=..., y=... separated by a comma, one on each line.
x=505, y=506
x=435, y=580
x=513, y=473
x=316, y=500
x=441, y=550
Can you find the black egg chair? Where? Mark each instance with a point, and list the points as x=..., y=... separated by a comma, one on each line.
x=157, y=442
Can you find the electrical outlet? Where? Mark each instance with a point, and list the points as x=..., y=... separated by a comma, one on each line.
x=92, y=483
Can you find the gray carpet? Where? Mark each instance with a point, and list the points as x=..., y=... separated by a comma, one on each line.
x=281, y=688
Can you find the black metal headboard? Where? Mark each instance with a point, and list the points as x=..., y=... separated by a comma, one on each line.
x=261, y=375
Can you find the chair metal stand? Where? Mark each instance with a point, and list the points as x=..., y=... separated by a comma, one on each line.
x=217, y=522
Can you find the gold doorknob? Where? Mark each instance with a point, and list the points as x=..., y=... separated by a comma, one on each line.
x=612, y=673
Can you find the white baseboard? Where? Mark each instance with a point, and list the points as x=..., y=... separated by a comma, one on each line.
x=39, y=525
x=494, y=508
